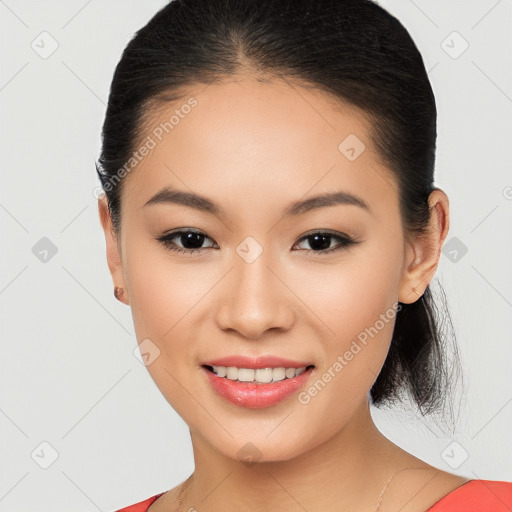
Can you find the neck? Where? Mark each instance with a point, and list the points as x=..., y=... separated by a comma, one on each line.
x=349, y=471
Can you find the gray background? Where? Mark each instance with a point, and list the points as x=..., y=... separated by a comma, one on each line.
x=68, y=375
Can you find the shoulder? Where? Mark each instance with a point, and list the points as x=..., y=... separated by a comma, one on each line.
x=477, y=496
x=428, y=489
x=142, y=506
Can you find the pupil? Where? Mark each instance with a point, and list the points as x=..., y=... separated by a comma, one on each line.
x=324, y=243
x=194, y=239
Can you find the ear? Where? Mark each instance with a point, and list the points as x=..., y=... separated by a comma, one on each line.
x=113, y=249
x=423, y=251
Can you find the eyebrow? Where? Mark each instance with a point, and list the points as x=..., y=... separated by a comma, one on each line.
x=168, y=195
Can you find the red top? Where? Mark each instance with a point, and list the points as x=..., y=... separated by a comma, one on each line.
x=141, y=506
x=473, y=496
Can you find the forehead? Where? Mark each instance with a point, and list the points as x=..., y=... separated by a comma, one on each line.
x=276, y=140
x=274, y=114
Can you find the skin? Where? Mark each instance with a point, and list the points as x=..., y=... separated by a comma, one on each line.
x=254, y=148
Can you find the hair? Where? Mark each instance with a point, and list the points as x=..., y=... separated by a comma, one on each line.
x=353, y=50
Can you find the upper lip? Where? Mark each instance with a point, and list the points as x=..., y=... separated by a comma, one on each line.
x=267, y=361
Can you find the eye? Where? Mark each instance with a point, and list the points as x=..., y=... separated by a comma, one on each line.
x=192, y=241
x=320, y=241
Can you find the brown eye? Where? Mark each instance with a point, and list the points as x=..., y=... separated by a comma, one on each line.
x=192, y=241
x=320, y=242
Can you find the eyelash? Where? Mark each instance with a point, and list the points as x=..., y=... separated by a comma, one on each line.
x=344, y=241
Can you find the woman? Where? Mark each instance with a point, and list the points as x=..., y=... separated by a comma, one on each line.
x=271, y=219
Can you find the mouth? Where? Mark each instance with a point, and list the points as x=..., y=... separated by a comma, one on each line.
x=256, y=388
x=257, y=375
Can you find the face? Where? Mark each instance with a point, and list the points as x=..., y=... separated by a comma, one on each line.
x=241, y=272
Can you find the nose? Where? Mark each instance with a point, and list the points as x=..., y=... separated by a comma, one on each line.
x=254, y=299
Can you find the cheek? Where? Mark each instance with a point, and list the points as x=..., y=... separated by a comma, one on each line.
x=354, y=303
x=349, y=296
x=164, y=297
x=362, y=317
x=163, y=292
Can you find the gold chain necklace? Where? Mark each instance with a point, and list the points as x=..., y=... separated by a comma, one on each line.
x=191, y=509
x=387, y=484
x=180, y=494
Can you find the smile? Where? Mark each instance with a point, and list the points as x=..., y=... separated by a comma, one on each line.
x=252, y=387
x=260, y=375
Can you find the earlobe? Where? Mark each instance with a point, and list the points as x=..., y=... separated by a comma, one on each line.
x=113, y=253
x=412, y=285
x=423, y=253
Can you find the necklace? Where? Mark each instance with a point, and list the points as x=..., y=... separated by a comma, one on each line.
x=180, y=494
x=387, y=484
x=192, y=509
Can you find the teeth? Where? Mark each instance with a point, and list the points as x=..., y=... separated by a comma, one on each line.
x=289, y=373
x=262, y=375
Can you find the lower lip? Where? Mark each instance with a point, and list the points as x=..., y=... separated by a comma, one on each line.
x=256, y=396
